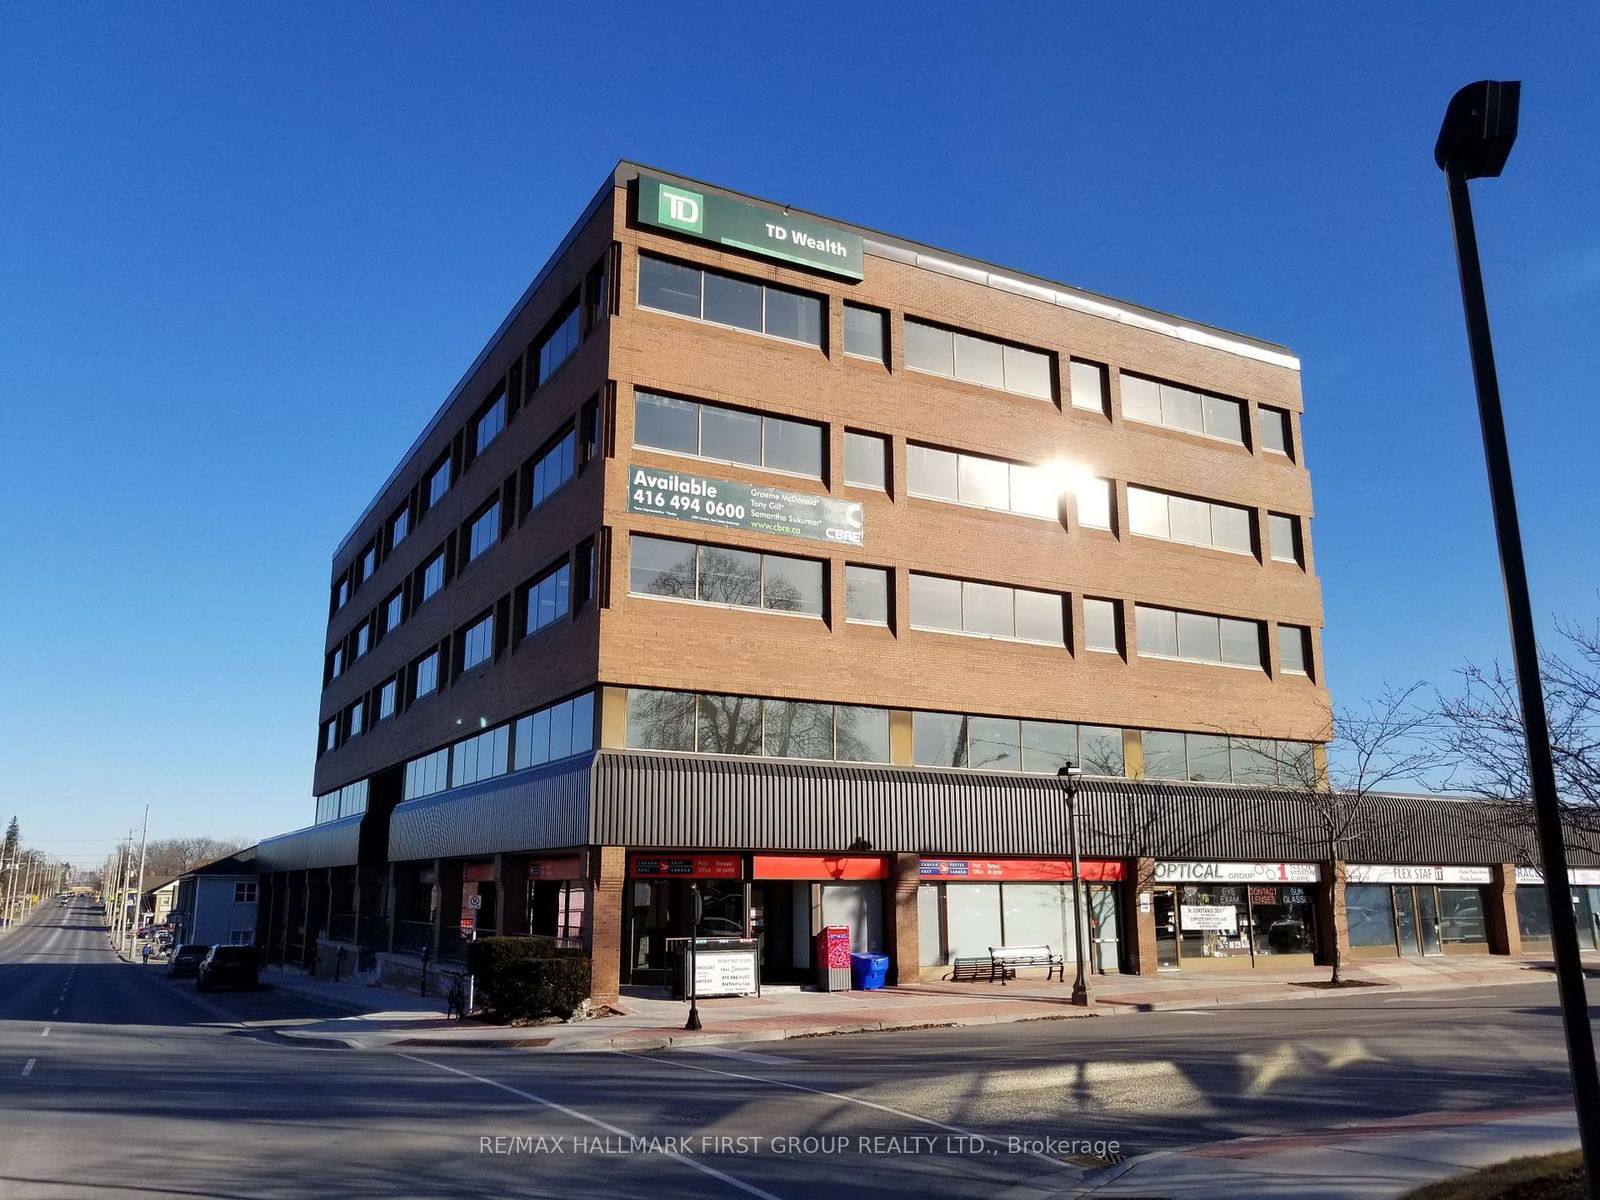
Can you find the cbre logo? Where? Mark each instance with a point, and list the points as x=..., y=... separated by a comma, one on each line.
x=679, y=209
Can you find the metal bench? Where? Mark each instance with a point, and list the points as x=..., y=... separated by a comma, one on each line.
x=971, y=970
x=1004, y=961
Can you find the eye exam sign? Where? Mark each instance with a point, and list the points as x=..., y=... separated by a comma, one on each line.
x=759, y=507
x=725, y=221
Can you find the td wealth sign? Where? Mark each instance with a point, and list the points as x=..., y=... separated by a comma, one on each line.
x=724, y=221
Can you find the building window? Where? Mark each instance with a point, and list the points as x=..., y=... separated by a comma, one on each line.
x=1183, y=408
x=586, y=575
x=551, y=469
x=558, y=342
x=746, y=725
x=729, y=300
x=244, y=893
x=368, y=564
x=363, y=638
x=341, y=593
x=866, y=332
x=1294, y=649
x=1102, y=625
x=978, y=360
x=428, y=774
x=241, y=937
x=477, y=643
x=433, y=576
x=386, y=699
x=1193, y=522
x=1197, y=637
x=484, y=532
x=1088, y=384
x=490, y=422
x=1218, y=758
x=336, y=663
x=330, y=735
x=1284, y=537
x=483, y=756
x=589, y=431
x=356, y=718
x=981, y=482
x=554, y=732
x=986, y=609
x=730, y=435
x=866, y=460
x=399, y=526
x=1006, y=744
x=721, y=575
x=439, y=481
x=547, y=598
x=1275, y=431
x=595, y=289
x=866, y=595
x=1094, y=503
x=425, y=675
x=393, y=611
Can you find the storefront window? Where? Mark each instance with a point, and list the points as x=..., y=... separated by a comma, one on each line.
x=859, y=906
x=1039, y=914
x=1533, y=913
x=1370, y=909
x=1214, y=921
x=973, y=913
x=1282, y=920
x=928, y=936
x=1461, y=915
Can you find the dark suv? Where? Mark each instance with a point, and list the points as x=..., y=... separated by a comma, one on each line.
x=229, y=966
x=185, y=961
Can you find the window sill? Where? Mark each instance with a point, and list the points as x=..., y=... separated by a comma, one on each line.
x=750, y=608
x=728, y=462
x=990, y=637
x=1010, y=512
x=1215, y=439
x=760, y=333
x=1172, y=541
x=985, y=387
x=1201, y=662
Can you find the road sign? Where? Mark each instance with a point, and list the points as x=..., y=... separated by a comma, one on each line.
x=474, y=901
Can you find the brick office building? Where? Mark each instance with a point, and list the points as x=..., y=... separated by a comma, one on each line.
x=788, y=561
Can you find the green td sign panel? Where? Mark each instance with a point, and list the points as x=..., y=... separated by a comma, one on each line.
x=733, y=223
x=667, y=493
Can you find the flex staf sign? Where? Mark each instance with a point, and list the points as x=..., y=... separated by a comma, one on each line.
x=725, y=221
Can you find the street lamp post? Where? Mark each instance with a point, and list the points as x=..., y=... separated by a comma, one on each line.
x=696, y=912
x=1480, y=126
x=1081, y=994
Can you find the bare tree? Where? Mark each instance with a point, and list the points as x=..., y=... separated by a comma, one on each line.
x=1371, y=748
x=1483, y=737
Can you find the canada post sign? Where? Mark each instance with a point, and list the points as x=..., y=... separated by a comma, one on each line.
x=729, y=222
x=755, y=506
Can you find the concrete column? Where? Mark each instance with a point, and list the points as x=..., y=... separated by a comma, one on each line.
x=1139, y=918
x=1331, y=932
x=1500, y=912
x=602, y=920
x=901, y=932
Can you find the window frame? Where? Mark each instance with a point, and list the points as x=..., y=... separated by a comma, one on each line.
x=1062, y=599
x=762, y=417
x=1051, y=360
x=820, y=298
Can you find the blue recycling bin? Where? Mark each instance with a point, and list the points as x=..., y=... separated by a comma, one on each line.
x=868, y=972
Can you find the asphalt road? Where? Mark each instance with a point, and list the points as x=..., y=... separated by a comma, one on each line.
x=116, y=1082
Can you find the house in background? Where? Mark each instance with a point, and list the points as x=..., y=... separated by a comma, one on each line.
x=216, y=903
x=156, y=903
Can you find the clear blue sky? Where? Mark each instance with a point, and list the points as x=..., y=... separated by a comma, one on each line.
x=245, y=250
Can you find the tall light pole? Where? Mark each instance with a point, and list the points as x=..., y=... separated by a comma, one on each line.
x=1480, y=126
x=1081, y=994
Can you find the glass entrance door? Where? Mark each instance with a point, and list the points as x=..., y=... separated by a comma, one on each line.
x=1583, y=914
x=1166, y=913
x=1428, y=919
x=1405, y=921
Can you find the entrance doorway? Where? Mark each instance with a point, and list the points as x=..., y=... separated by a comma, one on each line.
x=1165, y=901
x=780, y=915
x=664, y=908
x=1416, y=921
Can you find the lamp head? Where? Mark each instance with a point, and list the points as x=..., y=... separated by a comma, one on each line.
x=1071, y=771
x=1479, y=128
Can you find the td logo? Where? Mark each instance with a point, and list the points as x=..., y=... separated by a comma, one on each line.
x=681, y=210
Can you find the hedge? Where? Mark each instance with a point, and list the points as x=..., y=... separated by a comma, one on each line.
x=522, y=979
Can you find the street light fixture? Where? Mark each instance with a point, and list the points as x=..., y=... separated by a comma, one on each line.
x=1480, y=126
x=1081, y=994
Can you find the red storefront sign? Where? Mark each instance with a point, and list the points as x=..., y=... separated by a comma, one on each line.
x=687, y=866
x=1019, y=869
x=478, y=872
x=819, y=866
x=554, y=868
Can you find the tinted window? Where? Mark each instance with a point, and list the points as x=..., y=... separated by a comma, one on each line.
x=1274, y=430
x=1088, y=382
x=935, y=602
x=931, y=472
x=861, y=734
x=792, y=446
x=730, y=434
x=669, y=286
x=666, y=423
x=1292, y=648
x=791, y=584
x=658, y=567
x=938, y=739
x=994, y=743
x=730, y=301
x=1285, y=537
x=798, y=730
x=433, y=576
x=660, y=720
x=866, y=457
x=929, y=348
x=1100, y=625
x=794, y=315
x=1164, y=756
x=866, y=594
x=864, y=334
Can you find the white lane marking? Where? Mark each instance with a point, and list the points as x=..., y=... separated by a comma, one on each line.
x=46, y=1032
x=751, y=1189
x=745, y=1055
x=1192, y=1012
x=28, y=1070
x=800, y=1087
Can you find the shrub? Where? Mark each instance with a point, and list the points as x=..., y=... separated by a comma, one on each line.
x=521, y=979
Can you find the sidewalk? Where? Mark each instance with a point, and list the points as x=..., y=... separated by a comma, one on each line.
x=1376, y=1161
x=383, y=1017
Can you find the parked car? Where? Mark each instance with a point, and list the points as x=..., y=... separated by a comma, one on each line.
x=229, y=966
x=185, y=961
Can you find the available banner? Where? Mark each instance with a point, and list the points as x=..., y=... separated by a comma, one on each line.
x=663, y=492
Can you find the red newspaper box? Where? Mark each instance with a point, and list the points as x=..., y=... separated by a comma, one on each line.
x=833, y=958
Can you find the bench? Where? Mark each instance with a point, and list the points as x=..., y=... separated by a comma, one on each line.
x=971, y=970
x=1004, y=961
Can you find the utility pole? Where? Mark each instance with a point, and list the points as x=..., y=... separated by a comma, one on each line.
x=138, y=890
